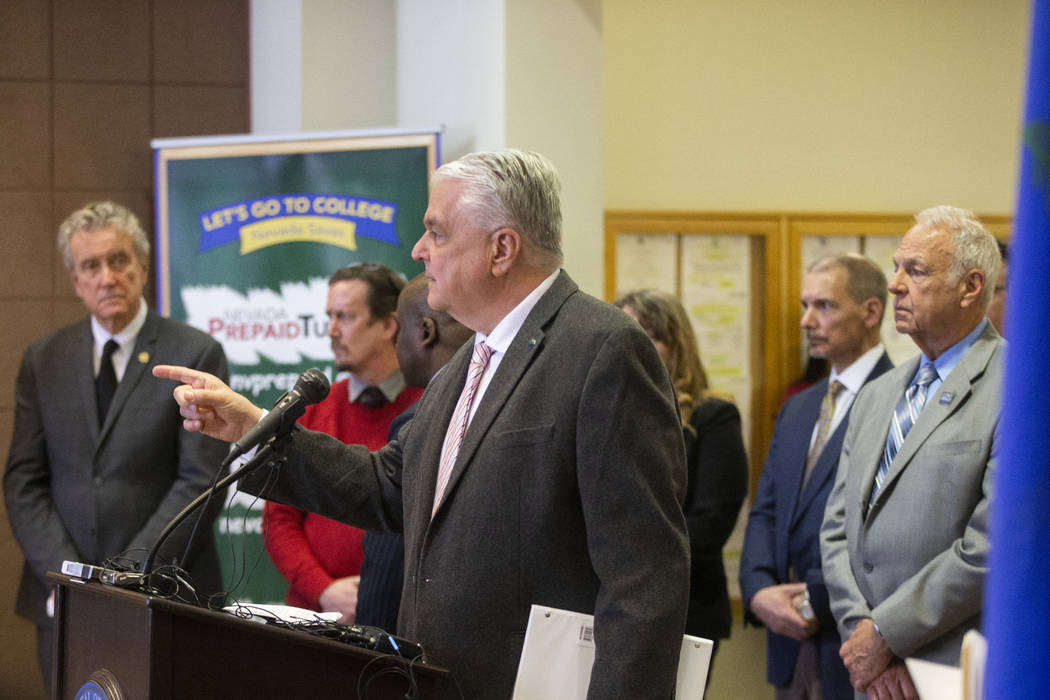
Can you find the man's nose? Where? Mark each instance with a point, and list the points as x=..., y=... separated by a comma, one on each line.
x=896, y=285
x=807, y=318
x=106, y=273
x=419, y=248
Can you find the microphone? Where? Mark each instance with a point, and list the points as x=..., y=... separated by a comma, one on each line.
x=311, y=387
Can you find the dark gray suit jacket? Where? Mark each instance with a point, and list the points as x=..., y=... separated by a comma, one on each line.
x=566, y=493
x=78, y=492
x=916, y=562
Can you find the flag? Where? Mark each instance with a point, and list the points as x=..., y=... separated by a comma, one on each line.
x=1017, y=596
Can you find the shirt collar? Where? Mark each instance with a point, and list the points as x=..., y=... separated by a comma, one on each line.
x=502, y=335
x=391, y=387
x=948, y=359
x=126, y=338
x=853, y=377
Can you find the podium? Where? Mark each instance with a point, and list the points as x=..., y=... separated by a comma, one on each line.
x=111, y=643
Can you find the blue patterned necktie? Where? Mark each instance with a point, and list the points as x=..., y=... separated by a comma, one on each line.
x=904, y=417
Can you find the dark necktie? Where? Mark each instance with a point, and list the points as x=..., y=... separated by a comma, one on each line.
x=372, y=397
x=106, y=383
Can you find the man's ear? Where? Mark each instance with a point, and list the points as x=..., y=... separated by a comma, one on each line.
x=429, y=335
x=389, y=326
x=872, y=312
x=972, y=287
x=506, y=247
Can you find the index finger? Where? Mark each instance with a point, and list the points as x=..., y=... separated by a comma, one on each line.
x=179, y=374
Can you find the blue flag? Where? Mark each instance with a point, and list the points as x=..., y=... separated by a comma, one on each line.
x=1017, y=598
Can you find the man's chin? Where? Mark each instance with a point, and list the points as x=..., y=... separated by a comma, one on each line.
x=110, y=307
x=435, y=302
x=111, y=312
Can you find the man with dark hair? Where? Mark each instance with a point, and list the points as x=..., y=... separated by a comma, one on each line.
x=545, y=464
x=98, y=465
x=905, y=537
x=781, y=582
x=322, y=558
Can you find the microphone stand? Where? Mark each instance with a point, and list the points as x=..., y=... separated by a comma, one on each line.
x=265, y=455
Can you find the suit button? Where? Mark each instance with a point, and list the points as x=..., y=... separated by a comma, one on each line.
x=97, y=481
x=868, y=567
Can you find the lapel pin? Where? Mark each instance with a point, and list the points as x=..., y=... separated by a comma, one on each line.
x=532, y=343
x=143, y=357
x=946, y=398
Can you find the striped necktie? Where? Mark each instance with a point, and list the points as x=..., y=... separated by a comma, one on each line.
x=904, y=417
x=457, y=427
x=827, y=412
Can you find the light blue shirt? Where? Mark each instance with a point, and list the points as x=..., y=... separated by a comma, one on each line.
x=947, y=360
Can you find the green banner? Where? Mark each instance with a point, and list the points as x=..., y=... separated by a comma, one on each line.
x=248, y=232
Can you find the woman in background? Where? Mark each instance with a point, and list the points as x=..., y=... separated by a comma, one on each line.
x=715, y=458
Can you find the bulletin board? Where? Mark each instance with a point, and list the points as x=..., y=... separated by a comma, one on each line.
x=726, y=270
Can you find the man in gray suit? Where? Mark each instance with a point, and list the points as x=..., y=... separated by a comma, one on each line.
x=545, y=463
x=905, y=537
x=98, y=464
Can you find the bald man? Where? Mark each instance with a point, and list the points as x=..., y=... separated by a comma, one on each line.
x=426, y=340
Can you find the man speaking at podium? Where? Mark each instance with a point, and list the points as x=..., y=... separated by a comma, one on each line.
x=98, y=464
x=545, y=463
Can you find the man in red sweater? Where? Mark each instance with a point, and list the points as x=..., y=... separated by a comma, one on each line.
x=321, y=558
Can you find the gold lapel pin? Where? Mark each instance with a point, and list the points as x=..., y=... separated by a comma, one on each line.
x=143, y=357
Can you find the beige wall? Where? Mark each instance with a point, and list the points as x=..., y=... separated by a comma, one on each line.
x=83, y=89
x=826, y=105
x=349, y=64
x=514, y=73
x=554, y=106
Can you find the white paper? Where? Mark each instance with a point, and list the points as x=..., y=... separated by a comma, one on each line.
x=974, y=658
x=285, y=613
x=935, y=681
x=816, y=247
x=558, y=654
x=645, y=261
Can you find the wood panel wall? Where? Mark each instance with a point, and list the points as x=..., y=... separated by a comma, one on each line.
x=84, y=86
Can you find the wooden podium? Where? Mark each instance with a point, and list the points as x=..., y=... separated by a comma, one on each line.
x=134, y=646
